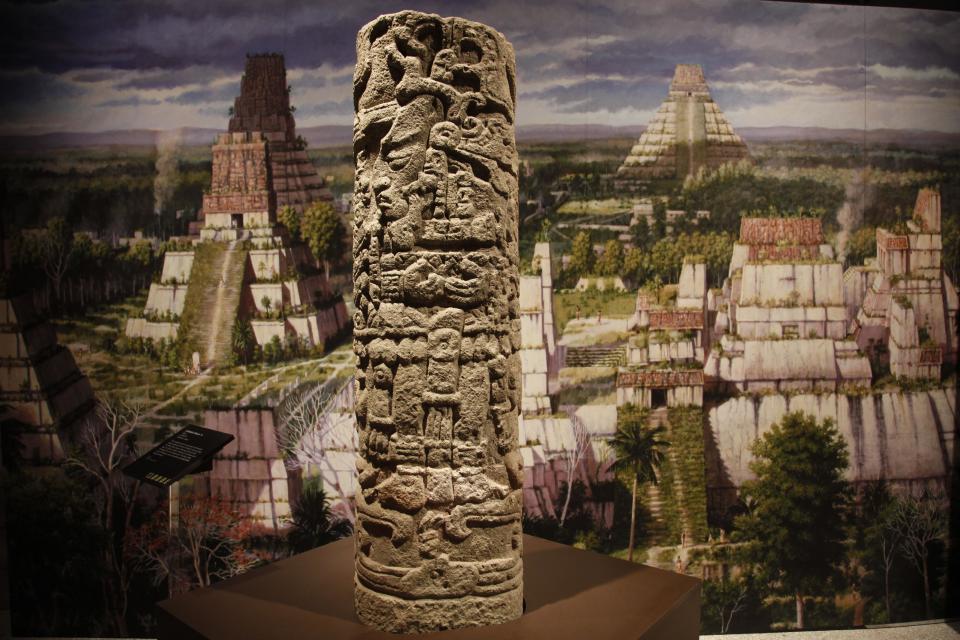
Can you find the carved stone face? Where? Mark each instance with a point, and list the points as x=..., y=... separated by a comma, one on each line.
x=402, y=154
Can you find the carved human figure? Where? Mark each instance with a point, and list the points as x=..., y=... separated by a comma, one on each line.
x=436, y=329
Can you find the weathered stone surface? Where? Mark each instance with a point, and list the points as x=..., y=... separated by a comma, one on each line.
x=906, y=439
x=40, y=383
x=907, y=291
x=437, y=326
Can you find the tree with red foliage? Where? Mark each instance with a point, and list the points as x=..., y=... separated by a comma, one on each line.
x=205, y=544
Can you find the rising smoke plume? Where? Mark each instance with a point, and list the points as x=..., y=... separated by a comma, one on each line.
x=858, y=195
x=165, y=184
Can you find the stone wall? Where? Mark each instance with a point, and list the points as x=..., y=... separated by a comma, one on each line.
x=263, y=103
x=249, y=472
x=166, y=298
x=240, y=182
x=40, y=383
x=143, y=328
x=781, y=231
x=792, y=284
x=176, y=266
x=907, y=439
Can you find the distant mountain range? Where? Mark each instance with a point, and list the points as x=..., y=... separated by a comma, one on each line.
x=340, y=135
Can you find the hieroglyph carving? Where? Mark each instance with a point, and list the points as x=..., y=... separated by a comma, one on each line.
x=437, y=325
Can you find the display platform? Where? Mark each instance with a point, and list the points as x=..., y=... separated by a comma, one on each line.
x=570, y=595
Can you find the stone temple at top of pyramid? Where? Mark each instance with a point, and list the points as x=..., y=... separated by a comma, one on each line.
x=688, y=132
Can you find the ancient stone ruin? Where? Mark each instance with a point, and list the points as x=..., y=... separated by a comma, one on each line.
x=437, y=326
x=688, y=132
x=781, y=317
x=40, y=383
x=244, y=267
x=905, y=300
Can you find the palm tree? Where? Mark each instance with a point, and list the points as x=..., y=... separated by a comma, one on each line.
x=639, y=451
x=313, y=524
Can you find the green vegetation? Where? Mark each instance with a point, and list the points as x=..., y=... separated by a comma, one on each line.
x=312, y=523
x=606, y=206
x=794, y=533
x=611, y=262
x=205, y=277
x=686, y=438
x=611, y=304
x=640, y=451
x=291, y=219
x=324, y=233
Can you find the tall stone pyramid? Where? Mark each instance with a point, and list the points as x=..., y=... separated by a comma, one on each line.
x=688, y=132
x=245, y=266
x=264, y=106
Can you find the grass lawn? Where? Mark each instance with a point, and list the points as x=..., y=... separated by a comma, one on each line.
x=138, y=378
x=607, y=206
x=639, y=554
x=612, y=304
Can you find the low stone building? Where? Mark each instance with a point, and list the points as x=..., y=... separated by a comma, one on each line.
x=782, y=319
x=665, y=354
x=249, y=473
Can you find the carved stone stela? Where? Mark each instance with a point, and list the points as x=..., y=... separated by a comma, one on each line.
x=437, y=326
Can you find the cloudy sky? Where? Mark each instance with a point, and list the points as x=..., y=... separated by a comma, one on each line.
x=91, y=65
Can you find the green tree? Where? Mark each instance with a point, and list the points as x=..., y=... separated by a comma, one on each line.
x=54, y=569
x=273, y=350
x=312, y=521
x=876, y=545
x=732, y=603
x=641, y=233
x=291, y=219
x=861, y=245
x=323, y=232
x=243, y=340
x=659, y=219
x=639, y=450
x=635, y=265
x=581, y=255
x=795, y=533
x=611, y=262
x=139, y=257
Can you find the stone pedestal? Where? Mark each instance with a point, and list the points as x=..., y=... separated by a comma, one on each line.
x=569, y=594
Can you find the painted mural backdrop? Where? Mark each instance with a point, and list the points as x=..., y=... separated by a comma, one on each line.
x=737, y=302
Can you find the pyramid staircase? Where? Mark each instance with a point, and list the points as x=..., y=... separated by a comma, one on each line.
x=213, y=301
x=596, y=356
x=658, y=529
x=687, y=133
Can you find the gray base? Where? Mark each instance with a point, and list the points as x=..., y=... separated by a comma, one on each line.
x=570, y=595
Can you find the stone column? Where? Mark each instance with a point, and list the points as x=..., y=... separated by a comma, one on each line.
x=437, y=326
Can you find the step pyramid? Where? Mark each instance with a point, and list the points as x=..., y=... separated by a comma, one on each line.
x=688, y=132
x=246, y=265
x=41, y=386
x=263, y=106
